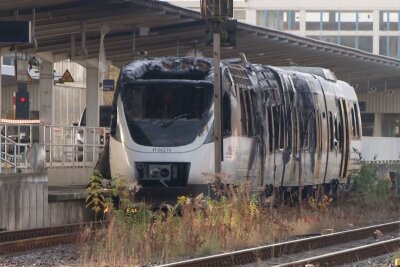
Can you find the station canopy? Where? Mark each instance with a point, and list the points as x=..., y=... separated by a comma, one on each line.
x=139, y=28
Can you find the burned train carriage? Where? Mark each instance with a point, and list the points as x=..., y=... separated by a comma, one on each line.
x=281, y=126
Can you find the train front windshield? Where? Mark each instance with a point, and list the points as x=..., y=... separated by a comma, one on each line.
x=165, y=113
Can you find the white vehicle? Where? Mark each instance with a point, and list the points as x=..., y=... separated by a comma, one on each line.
x=282, y=127
x=104, y=121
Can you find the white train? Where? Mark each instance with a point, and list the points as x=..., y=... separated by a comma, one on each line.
x=282, y=127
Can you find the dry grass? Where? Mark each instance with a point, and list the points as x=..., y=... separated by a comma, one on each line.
x=202, y=226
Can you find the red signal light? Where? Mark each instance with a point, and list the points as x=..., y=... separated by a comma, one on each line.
x=22, y=99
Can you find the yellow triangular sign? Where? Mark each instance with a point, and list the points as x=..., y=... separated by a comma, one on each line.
x=67, y=77
x=29, y=79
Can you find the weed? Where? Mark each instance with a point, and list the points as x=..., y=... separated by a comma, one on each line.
x=95, y=199
x=368, y=186
x=201, y=225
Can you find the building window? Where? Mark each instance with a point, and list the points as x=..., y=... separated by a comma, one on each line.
x=389, y=21
x=239, y=14
x=316, y=20
x=339, y=21
x=360, y=42
x=389, y=46
x=367, y=122
x=390, y=125
x=9, y=60
x=365, y=43
x=349, y=41
x=279, y=20
x=354, y=21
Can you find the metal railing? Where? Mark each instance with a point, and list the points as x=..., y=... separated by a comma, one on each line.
x=12, y=155
x=59, y=146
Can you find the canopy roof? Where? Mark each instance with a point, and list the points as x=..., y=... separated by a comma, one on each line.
x=162, y=29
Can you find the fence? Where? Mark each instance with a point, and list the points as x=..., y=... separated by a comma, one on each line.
x=381, y=149
x=28, y=146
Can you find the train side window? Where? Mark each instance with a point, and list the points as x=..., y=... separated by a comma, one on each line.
x=331, y=132
x=353, y=123
x=289, y=126
x=341, y=137
x=248, y=126
x=356, y=115
x=270, y=130
x=337, y=129
x=250, y=114
x=226, y=115
x=282, y=128
x=276, y=118
x=312, y=133
x=243, y=113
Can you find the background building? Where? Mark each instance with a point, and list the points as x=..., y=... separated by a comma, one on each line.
x=369, y=25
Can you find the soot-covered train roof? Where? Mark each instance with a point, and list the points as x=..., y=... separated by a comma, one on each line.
x=187, y=68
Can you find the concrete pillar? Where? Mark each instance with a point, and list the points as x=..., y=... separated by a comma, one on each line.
x=375, y=32
x=92, y=97
x=46, y=100
x=302, y=23
x=46, y=82
x=1, y=88
x=378, y=125
x=92, y=107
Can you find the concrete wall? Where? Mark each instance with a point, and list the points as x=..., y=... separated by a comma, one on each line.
x=67, y=176
x=385, y=149
x=381, y=101
x=66, y=212
x=27, y=202
x=23, y=201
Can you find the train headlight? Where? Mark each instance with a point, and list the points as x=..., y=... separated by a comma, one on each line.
x=155, y=172
x=140, y=165
x=160, y=171
x=164, y=173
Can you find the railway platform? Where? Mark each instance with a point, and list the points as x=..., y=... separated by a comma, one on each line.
x=26, y=201
x=44, y=185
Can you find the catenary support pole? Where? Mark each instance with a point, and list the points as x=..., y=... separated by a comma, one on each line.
x=1, y=99
x=217, y=102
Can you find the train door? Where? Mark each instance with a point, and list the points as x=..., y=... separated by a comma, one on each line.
x=291, y=134
x=249, y=165
x=343, y=136
x=334, y=153
x=324, y=119
x=321, y=149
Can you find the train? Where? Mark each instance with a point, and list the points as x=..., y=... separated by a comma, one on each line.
x=285, y=128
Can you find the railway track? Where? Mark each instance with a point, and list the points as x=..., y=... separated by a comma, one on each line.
x=15, y=241
x=274, y=251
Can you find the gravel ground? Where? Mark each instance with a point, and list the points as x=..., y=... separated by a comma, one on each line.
x=381, y=261
x=65, y=255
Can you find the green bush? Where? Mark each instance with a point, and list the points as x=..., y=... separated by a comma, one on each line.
x=368, y=184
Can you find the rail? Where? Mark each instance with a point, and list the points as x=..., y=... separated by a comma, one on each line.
x=15, y=241
x=263, y=253
x=50, y=146
x=349, y=255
